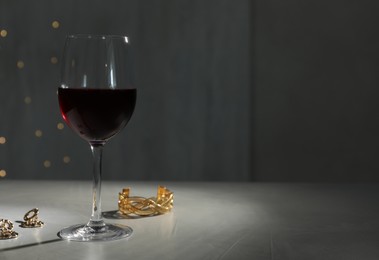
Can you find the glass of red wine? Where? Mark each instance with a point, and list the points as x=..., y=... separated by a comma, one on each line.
x=96, y=98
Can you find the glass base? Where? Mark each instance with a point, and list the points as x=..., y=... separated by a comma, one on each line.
x=83, y=232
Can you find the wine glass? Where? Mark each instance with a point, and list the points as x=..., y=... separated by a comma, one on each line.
x=96, y=98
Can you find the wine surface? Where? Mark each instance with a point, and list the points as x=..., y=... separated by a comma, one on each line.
x=96, y=114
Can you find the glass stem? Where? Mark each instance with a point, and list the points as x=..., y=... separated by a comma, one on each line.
x=96, y=217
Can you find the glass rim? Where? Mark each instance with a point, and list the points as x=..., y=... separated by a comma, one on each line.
x=98, y=36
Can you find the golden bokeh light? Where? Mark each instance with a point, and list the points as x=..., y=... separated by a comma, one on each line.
x=3, y=140
x=28, y=100
x=46, y=164
x=66, y=159
x=54, y=60
x=55, y=24
x=20, y=64
x=60, y=126
x=3, y=173
x=3, y=33
x=38, y=133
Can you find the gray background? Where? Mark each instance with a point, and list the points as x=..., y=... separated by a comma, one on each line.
x=262, y=90
x=316, y=87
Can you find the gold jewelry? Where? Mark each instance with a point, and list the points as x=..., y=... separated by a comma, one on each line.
x=6, y=229
x=31, y=219
x=141, y=206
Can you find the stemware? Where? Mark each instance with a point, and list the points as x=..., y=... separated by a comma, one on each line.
x=97, y=99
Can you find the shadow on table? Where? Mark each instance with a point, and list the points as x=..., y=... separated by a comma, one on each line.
x=115, y=214
x=31, y=245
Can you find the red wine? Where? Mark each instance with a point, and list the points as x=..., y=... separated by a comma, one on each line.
x=96, y=114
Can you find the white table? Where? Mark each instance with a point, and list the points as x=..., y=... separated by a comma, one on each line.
x=209, y=221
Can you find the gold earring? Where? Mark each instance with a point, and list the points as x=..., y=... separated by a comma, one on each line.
x=31, y=219
x=6, y=229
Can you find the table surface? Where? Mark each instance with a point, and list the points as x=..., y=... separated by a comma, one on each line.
x=209, y=221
